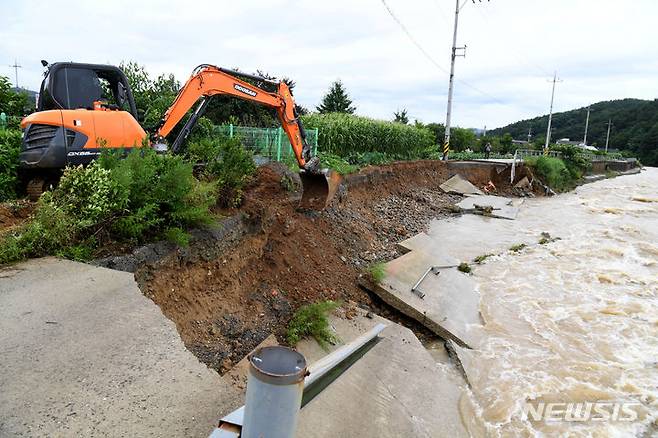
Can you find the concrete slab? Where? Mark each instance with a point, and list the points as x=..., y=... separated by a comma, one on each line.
x=503, y=208
x=84, y=353
x=450, y=303
x=469, y=236
x=430, y=246
x=459, y=184
x=395, y=390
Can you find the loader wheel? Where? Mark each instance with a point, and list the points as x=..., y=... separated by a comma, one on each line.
x=35, y=188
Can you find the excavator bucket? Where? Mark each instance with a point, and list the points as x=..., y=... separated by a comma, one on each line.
x=318, y=188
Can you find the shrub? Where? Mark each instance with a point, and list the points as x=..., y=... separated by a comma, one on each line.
x=553, y=172
x=339, y=164
x=345, y=134
x=133, y=198
x=159, y=192
x=370, y=158
x=574, y=160
x=228, y=163
x=311, y=320
x=10, y=143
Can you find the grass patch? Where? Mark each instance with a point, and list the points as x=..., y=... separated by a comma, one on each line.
x=377, y=272
x=178, y=236
x=481, y=258
x=518, y=247
x=312, y=320
x=464, y=267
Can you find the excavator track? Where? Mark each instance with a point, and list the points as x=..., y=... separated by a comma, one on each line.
x=35, y=188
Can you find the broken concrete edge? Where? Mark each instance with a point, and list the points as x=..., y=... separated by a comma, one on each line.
x=459, y=185
x=409, y=311
x=453, y=353
x=205, y=244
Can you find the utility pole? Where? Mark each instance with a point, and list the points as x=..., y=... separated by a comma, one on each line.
x=607, y=137
x=550, y=114
x=454, y=55
x=16, y=67
x=529, y=134
x=586, y=126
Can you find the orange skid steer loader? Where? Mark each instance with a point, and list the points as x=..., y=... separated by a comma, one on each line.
x=84, y=108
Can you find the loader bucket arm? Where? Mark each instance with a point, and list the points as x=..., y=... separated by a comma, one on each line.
x=208, y=80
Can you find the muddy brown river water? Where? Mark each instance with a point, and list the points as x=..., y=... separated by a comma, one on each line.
x=570, y=342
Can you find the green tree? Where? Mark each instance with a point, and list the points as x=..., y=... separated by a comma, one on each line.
x=461, y=139
x=14, y=104
x=401, y=117
x=336, y=100
x=439, y=131
x=506, y=143
x=152, y=96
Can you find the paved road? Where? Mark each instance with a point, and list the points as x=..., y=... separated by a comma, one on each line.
x=84, y=353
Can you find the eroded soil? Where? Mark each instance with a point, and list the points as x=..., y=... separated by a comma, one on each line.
x=225, y=306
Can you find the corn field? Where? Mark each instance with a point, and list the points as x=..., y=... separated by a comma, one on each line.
x=346, y=135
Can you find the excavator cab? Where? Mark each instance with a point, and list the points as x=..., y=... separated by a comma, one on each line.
x=82, y=108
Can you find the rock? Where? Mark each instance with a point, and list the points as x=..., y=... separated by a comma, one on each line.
x=523, y=183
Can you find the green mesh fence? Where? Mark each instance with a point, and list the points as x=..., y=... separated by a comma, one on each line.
x=270, y=144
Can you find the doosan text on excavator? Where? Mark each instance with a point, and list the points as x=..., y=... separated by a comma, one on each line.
x=84, y=108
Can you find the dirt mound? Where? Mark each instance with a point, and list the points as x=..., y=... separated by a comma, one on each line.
x=15, y=213
x=223, y=307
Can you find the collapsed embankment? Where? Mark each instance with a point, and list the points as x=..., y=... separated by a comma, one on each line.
x=239, y=283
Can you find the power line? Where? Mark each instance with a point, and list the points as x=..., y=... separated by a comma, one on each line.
x=517, y=54
x=413, y=40
x=432, y=60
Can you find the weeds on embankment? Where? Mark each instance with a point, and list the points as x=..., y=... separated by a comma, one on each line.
x=377, y=272
x=312, y=320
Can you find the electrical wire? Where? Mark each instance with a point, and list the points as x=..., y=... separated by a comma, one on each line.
x=413, y=40
x=432, y=60
x=517, y=54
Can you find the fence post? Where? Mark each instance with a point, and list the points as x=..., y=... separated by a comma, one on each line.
x=230, y=130
x=315, y=148
x=278, y=144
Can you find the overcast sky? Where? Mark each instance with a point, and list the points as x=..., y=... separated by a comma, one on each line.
x=602, y=49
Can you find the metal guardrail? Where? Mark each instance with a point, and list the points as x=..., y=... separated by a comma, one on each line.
x=520, y=153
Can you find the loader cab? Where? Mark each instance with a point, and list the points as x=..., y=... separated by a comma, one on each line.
x=69, y=86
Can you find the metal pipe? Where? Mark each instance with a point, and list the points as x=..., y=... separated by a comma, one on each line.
x=231, y=425
x=274, y=392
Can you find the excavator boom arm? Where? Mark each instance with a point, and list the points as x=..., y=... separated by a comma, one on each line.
x=208, y=81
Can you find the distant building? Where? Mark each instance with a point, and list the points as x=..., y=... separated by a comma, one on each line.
x=578, y=144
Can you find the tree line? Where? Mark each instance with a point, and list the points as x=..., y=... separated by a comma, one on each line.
x=634, y=127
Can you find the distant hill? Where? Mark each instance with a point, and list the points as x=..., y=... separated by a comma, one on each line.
x=634, y=127
x=30, y=93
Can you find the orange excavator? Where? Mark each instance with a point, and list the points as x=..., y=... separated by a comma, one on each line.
x=84, y=108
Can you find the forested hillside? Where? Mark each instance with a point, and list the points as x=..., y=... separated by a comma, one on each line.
x=634, y=127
